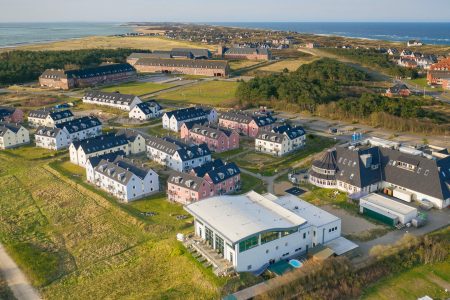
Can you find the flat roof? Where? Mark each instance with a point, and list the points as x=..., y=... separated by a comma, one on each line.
x=341, y=245
x=238, y=217
x=389, y=203
x=313, y=214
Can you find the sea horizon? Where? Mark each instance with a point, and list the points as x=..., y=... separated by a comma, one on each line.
x=13, y=34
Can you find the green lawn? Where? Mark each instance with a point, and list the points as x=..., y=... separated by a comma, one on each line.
x=215, y=93
x=160, y=131
x=269, y=165
x=412, y=284
x=138, y=88
x=250, y=183
x=76, y=242
x=421, y=83
x=320, y=196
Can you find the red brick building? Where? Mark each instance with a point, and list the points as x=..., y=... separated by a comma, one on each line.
x=244, y=53
x=398, y=90
x=11, y=114
x=212, y=68
x=68, y=79
x=439, y=73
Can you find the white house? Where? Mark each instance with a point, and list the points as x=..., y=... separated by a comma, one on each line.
x=173, y=120
x=252, y=231
x=135, y=140
x=13, y=135
x=125, y=179
x=116, y=100
x=177, y=155
x=145, y=111
x=281, y=140
x=65, y=133
x=81, y=151
x=49, y=117
x=94, y=161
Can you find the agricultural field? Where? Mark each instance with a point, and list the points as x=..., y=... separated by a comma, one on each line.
x=137, y=88
x=111, y=42
x=431, y=280
x=269, y=165
x=75, y=242
x=215, y=93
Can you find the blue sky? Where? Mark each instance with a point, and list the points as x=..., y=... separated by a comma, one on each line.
x=226, y=10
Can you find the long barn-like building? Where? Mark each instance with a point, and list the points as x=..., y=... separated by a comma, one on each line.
x=212, y=68
x=69, y=79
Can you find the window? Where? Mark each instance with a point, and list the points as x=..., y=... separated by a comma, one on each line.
x=248, y=244
x=304, y=235
x=209, y=236
x=288, y=232
x=249, y=267
x=267, y=251
x=269, y=236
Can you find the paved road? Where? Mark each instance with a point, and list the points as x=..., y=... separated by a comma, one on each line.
x=17, y=281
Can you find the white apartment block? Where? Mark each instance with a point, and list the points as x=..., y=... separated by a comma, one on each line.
x=173, y=120
x=115, y=100
x=13, y=135
x=49, y=118
x=145, y=111
x=281, y=140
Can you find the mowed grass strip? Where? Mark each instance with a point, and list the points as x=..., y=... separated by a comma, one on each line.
x=216, y=93
x=138, y=88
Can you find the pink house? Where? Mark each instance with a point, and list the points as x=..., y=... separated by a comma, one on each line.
x=11, y=114
x=225, y=178
x=186, y=188
x=217, y=139
x=246, y=124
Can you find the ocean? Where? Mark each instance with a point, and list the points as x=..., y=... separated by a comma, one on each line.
x=429, y=33
x=15, y=34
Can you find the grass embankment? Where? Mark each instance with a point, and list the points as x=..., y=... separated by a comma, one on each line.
x=110, y=42
x=75, y=242
x=250, y=183
x=431, y=280
x=269, y=165
x=5, y=291
x=138, y=88
x=215, y=93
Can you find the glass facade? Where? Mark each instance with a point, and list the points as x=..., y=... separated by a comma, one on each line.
x=288, y=232
x=248, y=244
x=219, y=245
x=269, y=236
x=209, y=236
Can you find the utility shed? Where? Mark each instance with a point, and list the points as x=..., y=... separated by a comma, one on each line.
x=386, y=209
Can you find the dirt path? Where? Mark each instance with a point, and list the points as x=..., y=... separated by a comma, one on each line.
x=439, y=281
x=17, y=281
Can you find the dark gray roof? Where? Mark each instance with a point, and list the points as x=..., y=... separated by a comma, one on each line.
x=114, y=97
x=6, y=111
x=327, y=162
x=209, y=131
x=11, y=126
x=129, y=134
x=397, y=88
x=191, y=124
x=264, y=120
x=202, y=170
x=171, y=146
x=218, y=171
x=47, y=131
x=191, y=52
x=291, y=132
x=246, y=51
x=80, y=124
x=145, y=107
x=186, y=180
x=99, y=143
x=54, y=114
x=188, y=113
x=236, y=117
x=121, y=169
x=271, y=136
x=440, y=74
x=95, y=160
x=185, y=63
x=89, y=72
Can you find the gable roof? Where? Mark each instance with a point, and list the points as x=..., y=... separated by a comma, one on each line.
x=100, y=143
x=80, y=124
x=188, y=113
x=129, y=134
x=183, y=63
x=4, y=127
x=95, y=160
x=191, y=52
x=171, y=146
x=246, y=51
x=397, y=88
x=113, y=97
x=47, y=131
x=88, y=72
x=289, y=131
x=221, y=173
x=121, y=170
x=209, y=131
x=145, y=107
x=6, y=111
x=271, y=137
x=55, y=115
x=186, y=180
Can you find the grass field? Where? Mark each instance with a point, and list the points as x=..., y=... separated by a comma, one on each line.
x=290, y=64
x=76, y=244
x=269, y=165
x=215, y=93
x=250, y=183
x=243, y=63
x=422, y=83
x=137, y=88
x=412, y=284
x=109, y=42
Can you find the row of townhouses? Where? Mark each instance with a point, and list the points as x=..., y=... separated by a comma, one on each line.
x=173, y=120
x=210, y=179
x=116, y=100
x=63, y=134
x=218, y=139
x=145, y=111
x=281, y=140
x=49, y=117
x=245, y=124
x=175, y=154
x=375, y=164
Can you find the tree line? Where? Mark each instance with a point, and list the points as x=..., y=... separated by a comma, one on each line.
x=22, y=66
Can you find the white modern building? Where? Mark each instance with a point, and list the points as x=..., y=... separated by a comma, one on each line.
x=94, y=161
x=281, y=140
x=177, y=155
x=49, y=117
x=63, y=134
x=13, y=135
x=116, y=100
x=252, y=231
x=145, y=111
x=386, y=209
x=173, y=120
x=125, y=179
x=81, y=151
